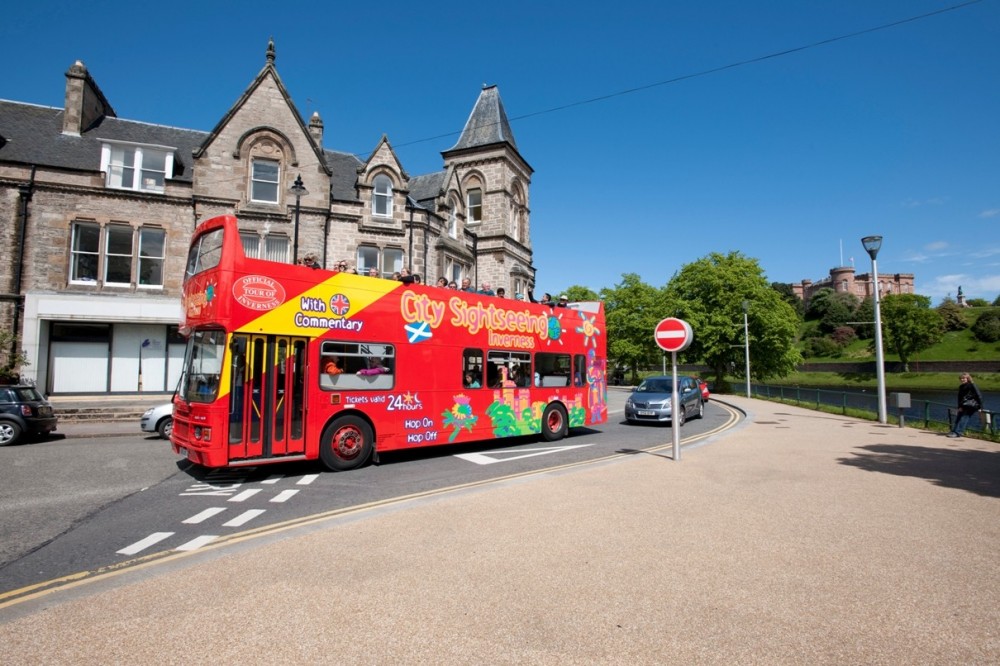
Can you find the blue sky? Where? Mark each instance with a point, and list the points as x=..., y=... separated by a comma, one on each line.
x=790, y=160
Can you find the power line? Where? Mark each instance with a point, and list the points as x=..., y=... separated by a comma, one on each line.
x=713, y=70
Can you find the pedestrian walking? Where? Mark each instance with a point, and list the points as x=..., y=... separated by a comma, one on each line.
x=970, y=401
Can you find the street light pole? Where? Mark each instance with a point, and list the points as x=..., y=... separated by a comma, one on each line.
x=299, y=190
x=872, y=245
x=746, y=341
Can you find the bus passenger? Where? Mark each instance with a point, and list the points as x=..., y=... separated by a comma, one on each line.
x=372, y=272
x=310, y=261
x=375, y=367
x=331, y=365
x=442, y=282
x=501, y=292
x=470, y=380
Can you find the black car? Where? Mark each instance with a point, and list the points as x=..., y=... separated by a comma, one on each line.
x=24, y=412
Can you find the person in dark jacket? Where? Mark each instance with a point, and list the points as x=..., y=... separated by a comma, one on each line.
x=970, y=401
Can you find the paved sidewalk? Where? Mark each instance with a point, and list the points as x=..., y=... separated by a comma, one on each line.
x=799, y=538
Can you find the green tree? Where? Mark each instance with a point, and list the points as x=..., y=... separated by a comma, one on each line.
x=577, y=293
x=12, y=357
x=987, y=327
x=909, y=325
x=788, y=295
x=632, y=309
x=709, y=295
x=951, y=316
x=841, y=309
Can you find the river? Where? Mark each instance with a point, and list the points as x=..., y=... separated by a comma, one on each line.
x=924, y=405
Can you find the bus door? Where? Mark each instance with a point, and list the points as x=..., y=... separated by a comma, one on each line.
x=267, y=399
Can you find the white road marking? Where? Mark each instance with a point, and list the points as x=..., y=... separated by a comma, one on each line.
x=284, y=495
x=139, y=546
x=274, y=478
x=203, y=516
x=506, y=455
x=198, y=542
x=307, y=479
x=243, y=518
x=245, y=495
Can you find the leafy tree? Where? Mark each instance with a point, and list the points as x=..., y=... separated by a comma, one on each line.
x=951, y=315
x=709, y=295
x=996, y=302
x=841, y=308
x=578, y=293
x=632, y=309
x=788, y=295
x=865, y=313
x=910, y=325
x=987, y=327
x=819, y=302
x=978, y=303
x=11, y=356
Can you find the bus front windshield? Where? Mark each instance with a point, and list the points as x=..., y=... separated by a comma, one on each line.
x=203, y=366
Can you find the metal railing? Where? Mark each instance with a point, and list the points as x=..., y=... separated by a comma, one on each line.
x=927, y=412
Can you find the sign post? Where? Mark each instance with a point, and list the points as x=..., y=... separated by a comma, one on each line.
x=674, y=335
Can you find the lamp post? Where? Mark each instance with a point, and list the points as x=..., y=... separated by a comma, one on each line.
x=872, y=245
x=746, y=341
x=299, y=190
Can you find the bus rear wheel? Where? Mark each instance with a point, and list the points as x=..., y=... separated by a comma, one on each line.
x=347, y=443
x=554, y=423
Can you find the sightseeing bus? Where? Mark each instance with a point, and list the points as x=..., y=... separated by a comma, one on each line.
x=286, y=362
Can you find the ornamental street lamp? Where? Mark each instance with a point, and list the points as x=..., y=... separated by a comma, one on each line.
x=872, y=245
x=299, y=190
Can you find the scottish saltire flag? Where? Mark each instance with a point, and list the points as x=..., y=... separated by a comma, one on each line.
x=418, y=331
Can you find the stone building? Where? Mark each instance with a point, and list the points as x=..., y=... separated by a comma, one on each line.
x=843, y=280
x=97, y=213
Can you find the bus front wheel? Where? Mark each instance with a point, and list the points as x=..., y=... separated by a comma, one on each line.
x=554, y=423
x=347, y=443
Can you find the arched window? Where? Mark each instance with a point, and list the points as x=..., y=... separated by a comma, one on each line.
x=382, y=197
x=453, y=218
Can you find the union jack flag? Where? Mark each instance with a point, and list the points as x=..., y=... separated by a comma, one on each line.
x=340, y=305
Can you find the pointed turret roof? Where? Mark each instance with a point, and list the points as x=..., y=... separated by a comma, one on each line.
x=487, y=123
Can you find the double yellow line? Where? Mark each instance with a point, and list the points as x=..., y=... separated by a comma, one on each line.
x=79, y=579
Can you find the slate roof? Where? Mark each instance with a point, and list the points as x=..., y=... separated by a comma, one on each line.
x=487, y=124
x=34, y=136
x=423, y=189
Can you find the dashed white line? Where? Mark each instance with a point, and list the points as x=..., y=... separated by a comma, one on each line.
x=243, y=518
x=274, y=478
x=198, y=542
x=245, y=495
x=307, y=479
x=284, y=495
x=203, y=516
x=138, y=546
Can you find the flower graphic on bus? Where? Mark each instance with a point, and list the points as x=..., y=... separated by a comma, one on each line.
x=588, y=328
x=459, y=417
x=340, y=305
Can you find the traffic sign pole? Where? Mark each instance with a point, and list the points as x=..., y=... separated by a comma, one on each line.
x=674, y=403
x=674, y=335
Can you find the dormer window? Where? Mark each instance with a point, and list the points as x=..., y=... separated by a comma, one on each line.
x=136, y=167
x=382, y=197
x=264, y=178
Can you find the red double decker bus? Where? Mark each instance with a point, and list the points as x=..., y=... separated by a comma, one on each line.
x=286, y=362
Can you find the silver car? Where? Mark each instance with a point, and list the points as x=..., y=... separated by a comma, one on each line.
x=159, y=419
x=651, y=400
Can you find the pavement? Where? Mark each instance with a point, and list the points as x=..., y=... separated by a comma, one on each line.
x=797, y=538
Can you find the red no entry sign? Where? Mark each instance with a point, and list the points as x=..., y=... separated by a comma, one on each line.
x=673, y=335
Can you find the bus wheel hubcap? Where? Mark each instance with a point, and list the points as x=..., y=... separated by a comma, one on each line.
x=347, y=443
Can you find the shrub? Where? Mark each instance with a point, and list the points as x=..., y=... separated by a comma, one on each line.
x=819, y=347
x=987, y=327
x=843, y=336
x=952, y=316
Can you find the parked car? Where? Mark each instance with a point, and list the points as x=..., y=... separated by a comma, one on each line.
x=651, y=400
x=159, y=419
x=24, y=412
x=703, y=385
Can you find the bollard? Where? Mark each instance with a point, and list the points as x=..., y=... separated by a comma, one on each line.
x=901, y=401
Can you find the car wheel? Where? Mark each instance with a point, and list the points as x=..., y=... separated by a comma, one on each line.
x=554, y=423
x=347, y=443
x=701, y=410
x=681, y=417
x=10, y=433
x=165, y=427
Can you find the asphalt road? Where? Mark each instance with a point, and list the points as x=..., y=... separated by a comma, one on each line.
x=78, y=505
